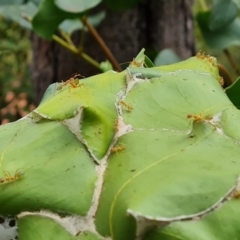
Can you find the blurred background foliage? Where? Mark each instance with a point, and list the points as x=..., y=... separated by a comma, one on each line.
x=216, y=31
x=15, y=56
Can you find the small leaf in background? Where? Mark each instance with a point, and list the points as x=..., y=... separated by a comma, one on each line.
x=233, y=93
x=222, y=38
x=141, y=60
x=165, y=57
x=96, y=19
x=121, y=5
x=71, y=25
x=140, y=57
x=106, y=66
x=222, y=14
x=75, y=6
x=51, y=16
x=148, y=62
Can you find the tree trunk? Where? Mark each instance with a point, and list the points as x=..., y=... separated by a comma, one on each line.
x=154, y=25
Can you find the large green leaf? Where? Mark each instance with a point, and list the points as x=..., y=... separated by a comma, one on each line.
x=48, y=169
x=171, y=167
x=40, y=227
x=222, y=224
x=126, y=155
x=96, y=98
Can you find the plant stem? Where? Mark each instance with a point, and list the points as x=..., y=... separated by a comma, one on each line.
x=66, y=36
x=90, y=60
x=68, y=44
x=65, y=44
x=76, y=51
x=100, y=41
x=80, y=47
x=232, y=61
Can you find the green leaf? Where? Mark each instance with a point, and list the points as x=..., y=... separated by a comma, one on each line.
x=121, y=5
x=165, y=57
x=51, y=16
x=76, y=6
x=39, y=227
x=140, y=57
x=181, y=164
x=46, y=174
x=148, y=62
x=96, y=19
x=71, y=25
x=221, y=38
x=44, y=227
x=127, y=155
x=141, y=60
x=106, y=66
x=223, y=13
x=215, y=226
x=200, y=63
x=233, y=92
x=96, y=96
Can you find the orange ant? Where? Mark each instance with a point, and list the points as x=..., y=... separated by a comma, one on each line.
x=236, y=194
x=198, y=118
x=71, y=83
x=209, y=58
x=127, y=106
x=221, y=80
x=8, y=178
x=76, y=75
x=117, y=149
x=116, y=125
x=134, y=63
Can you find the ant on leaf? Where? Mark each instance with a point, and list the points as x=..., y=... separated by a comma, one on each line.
x=125, y=105
x=117, y=149
x=9, y=178
x=199, y=118
x=73, y=82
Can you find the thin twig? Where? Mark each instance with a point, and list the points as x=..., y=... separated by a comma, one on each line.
x=81, y=44
x=76, y=51
x=232, y=61
x=66, y=36
x=68, y=44
x=100, y=41
x=65, y=44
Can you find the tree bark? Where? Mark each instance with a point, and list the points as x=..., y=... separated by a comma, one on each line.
x=154, y=25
